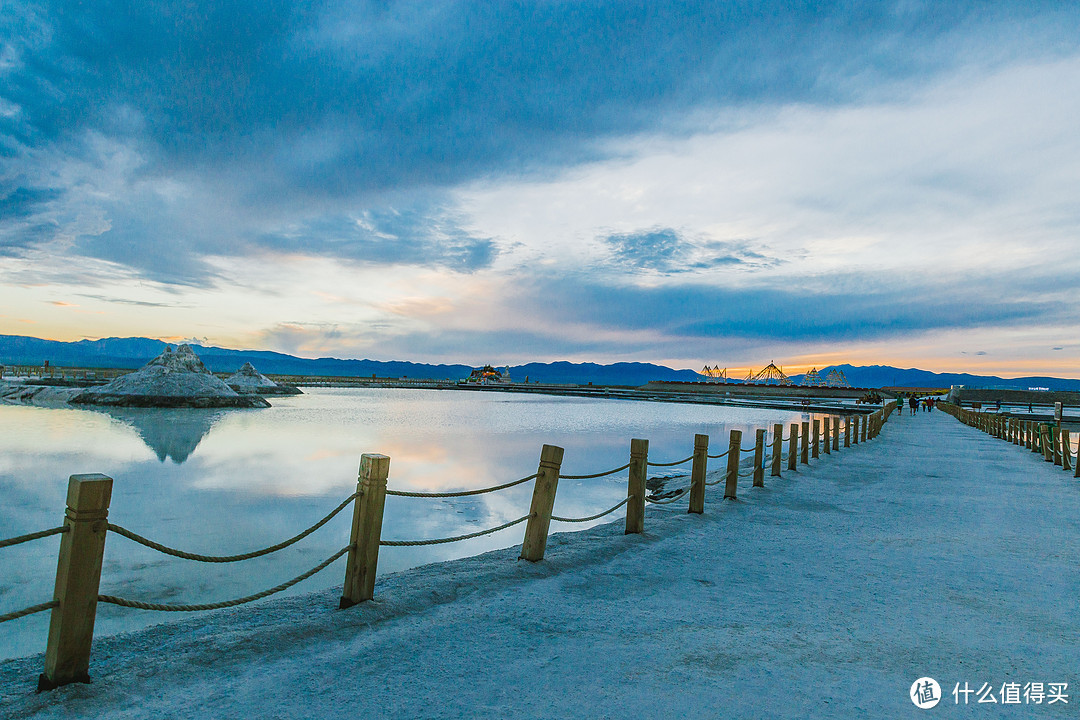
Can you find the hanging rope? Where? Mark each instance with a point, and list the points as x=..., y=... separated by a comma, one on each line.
x=717, y=457
x=29, y=611
x=139, y=605
x=594, y=475
x=33, y=536
x=440, y=541
x=672, y=464
x=592, y=517
x=462, y=493
x=230, y=558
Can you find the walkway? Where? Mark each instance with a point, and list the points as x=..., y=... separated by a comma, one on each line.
x=934, y=550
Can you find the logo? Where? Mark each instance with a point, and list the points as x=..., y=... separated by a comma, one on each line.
x=925, y=693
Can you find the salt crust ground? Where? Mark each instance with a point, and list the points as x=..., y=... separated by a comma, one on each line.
x=934, y=550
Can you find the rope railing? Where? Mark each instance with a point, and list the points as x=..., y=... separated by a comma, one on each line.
x=443, y=541
x=671, y=464
x=461, y=493
x=594, y=475
x=139, y=605
x=29, y=611
x=597, y=516
x=20, y=539
x=135, y=537
x=79, y=571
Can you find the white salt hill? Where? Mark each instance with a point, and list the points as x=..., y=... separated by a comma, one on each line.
x=172, y=379
x=248, y=380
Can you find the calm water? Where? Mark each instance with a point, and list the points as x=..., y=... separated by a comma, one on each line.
x=223, y=482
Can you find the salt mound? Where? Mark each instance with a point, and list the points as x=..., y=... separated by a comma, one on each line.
x=249, y=380
x=172, y=379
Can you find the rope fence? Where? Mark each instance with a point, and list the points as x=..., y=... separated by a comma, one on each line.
x=1048, y=439
x=86, y=526
x=139, y=605
x=443, y=541
x=671, y=464
x=28, y=611
x=19, y=540
x=463, y=493
x=597, y=516
x=595, y=475
x=135, y=537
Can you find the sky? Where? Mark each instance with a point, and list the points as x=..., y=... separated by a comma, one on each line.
x=726, y=183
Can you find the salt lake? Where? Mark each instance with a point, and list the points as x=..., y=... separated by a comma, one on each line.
x=223, y=482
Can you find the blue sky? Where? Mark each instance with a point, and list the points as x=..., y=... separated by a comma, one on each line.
x=722, y=183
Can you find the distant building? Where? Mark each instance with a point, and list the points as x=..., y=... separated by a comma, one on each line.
x=488, y=375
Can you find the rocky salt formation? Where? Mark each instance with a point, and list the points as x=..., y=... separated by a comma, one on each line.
x=172, y=379
x=248, y=380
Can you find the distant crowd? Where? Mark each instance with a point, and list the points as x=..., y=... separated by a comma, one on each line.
x=914, y=403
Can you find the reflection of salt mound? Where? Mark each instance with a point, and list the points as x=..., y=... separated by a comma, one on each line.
x=249, y=380
x=170, y=433
x=172, y=379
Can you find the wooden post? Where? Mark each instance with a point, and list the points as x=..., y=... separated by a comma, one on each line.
x=863, y=422
x=836, y=434
x=858, y=421
x=734, y=448
x=828, y=445
x=363, y=558
x=543, y=499
x=697, y=474
x=78, y=576
x=1076, y=465
x=777, y=448
x=804, y=446
x=816, y=430
x=847, y=431
x=1028, y=440
x=1044, y=442
x=635, y=488
x=793, y=447
x=1066, y=450
x=1055, y=444
x=759, y=458
x=1015, y=431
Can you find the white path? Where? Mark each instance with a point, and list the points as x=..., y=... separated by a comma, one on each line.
x=933, y=550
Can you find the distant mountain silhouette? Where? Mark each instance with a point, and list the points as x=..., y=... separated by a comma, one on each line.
x=876, y=376
x=135, y=352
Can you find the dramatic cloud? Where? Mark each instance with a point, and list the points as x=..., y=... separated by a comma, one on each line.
x=586, y=179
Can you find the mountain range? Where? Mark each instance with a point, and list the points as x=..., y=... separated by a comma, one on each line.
x=135, y=352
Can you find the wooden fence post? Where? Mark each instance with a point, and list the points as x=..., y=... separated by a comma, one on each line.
x=734, y=448
x=858, y=422
x=847, y=431
x=1055, y=444
x=543, y=499
x=804, y=446
x=1044, y=442
x=777, y=448
x=363, y=557
x=836, y=434
x=1066, y=450
x=816, y=430
x=635, y=489
x=697, y=474
x=793, y=447
x=863, y=422
x=78, y=576
x=759, y=458
x=826, y=425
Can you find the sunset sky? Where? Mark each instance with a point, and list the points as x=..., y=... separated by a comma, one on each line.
x=725, y=183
